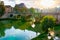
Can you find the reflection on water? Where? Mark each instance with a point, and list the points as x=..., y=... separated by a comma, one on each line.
x=17, y=34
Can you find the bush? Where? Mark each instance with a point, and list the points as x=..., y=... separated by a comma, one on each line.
x=47, y=22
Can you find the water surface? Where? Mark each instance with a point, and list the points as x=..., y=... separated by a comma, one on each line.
x=17, y=34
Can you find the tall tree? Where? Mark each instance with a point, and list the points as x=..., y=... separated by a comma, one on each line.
x=2, y=9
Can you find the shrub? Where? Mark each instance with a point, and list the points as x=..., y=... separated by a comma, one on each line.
x=47, y=22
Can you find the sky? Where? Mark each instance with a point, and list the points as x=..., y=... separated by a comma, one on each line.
x=34, y=3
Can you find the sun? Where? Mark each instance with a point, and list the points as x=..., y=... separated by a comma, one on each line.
x=47, y=3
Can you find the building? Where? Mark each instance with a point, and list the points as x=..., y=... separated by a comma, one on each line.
x=8, y=9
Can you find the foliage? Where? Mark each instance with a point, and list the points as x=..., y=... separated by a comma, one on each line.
x=42, y=36
x=36, y=29
x=2, y=9
x=47, y=22
x=7, y=24
x=32, y=10
x=2, y=29
x=57, y=30
x=21, y=10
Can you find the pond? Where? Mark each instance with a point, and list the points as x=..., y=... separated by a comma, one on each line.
x=19, y=30
x=17, y=34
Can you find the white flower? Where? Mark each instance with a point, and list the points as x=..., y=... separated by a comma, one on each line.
x=49, y=37
x=33, y=25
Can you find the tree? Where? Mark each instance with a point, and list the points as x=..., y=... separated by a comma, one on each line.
x=21, y=9
x=47, y=22
x=32, y=10
x=2, y=9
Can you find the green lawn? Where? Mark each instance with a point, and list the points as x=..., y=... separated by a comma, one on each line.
x=57, y=30
x=43, y=36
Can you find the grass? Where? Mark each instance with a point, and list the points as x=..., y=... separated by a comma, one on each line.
x=57, y=30
x=43, y=37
